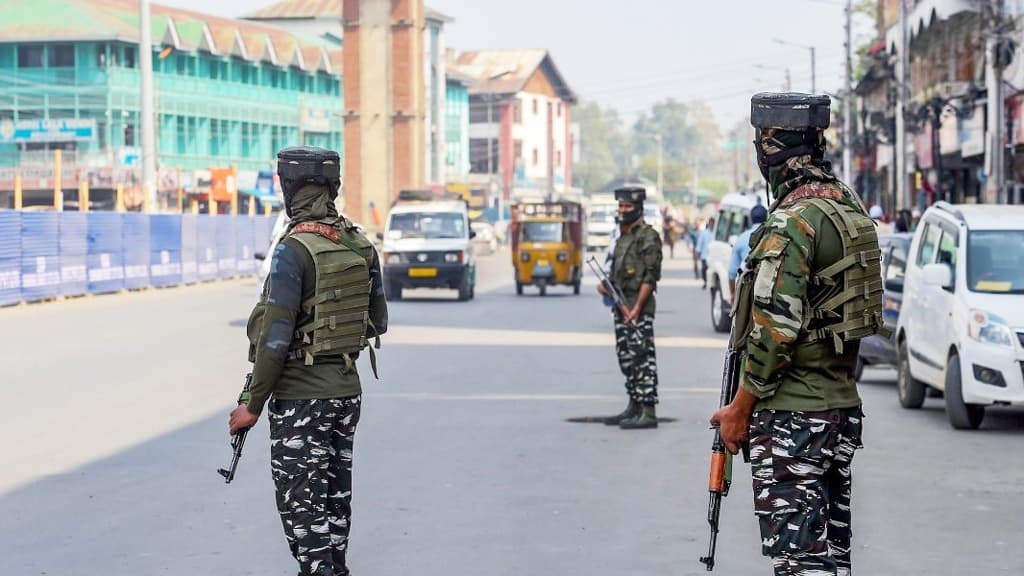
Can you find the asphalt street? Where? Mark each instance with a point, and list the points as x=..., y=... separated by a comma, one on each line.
x=466, y=463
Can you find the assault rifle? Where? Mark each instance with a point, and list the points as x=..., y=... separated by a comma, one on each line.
x=613, y=291
x=237, y=441
x=720, y=477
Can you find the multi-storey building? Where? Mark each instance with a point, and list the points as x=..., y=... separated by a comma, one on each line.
x=519, y=121
x=228, y=92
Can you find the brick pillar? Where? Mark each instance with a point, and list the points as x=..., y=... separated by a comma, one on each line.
x=384, y=103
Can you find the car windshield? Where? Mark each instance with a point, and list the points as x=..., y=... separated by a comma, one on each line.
x=603, y=214
x=427, y=225
x=995, y=261
x=543, y=232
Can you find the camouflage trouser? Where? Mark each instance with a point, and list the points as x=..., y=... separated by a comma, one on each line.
x=802, y=481
x=635, y=349
x=311, y=461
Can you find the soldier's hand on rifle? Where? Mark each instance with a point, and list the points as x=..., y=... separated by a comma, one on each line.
x=241, y=419
x=733, y=420
x=602, y=290
x=632, y=316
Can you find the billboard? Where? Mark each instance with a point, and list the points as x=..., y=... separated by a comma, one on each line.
x=58, y=130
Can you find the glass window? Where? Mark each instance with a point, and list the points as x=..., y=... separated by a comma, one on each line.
x=722, y=229
x=895, y=263
x=995, y=261
x=947, y=252
x=129, y=57
x=30, y=56
x=61, y=56
x=544, y=232
x=737, y=225
x=427, y=225
x=930, y=238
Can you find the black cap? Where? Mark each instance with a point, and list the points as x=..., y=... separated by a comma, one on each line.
x=789, y=110
x=631, y=194
x=306, y=162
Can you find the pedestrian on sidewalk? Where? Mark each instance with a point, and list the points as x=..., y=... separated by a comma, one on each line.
x=704, y=247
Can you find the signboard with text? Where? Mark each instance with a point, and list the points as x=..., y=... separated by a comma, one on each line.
x=59, y=130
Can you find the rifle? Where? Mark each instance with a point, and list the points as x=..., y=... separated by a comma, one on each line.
x=720, y=477
x=613, y=291
x=238, y=440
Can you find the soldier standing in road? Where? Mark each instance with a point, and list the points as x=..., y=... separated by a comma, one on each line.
x=322, y=303
x=813, y=291
x=636, y=270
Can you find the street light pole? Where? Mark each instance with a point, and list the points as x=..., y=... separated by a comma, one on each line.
x=814, y=86
x=146, y=106
x=847, y=96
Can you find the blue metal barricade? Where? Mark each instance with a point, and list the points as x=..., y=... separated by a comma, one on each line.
x=136, y=250
x=74, y=248
x=189, y=248
x=207, y=247
x=10, y=257
x=40, y=255
x=106, y=252
x=227, y=260
x=165, y=249
x=244, y=226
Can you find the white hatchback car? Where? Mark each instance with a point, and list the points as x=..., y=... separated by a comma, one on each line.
x=961, y=326
x=732, y=219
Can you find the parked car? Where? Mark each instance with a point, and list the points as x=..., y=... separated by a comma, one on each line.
x=601, y=226
x=732, y=219
x=486, y=238
x=879, y=350
x=276, y=234
x=961, y=327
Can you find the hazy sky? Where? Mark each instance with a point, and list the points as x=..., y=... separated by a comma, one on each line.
x=633, y=53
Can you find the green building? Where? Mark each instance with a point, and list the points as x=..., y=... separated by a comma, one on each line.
x=228, y=92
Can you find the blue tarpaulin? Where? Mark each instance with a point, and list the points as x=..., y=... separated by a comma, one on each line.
x=244, y=245
x=10, y=257
x=207, y=247
x=136, y=250
x=165, y=250
x=74, y=248
x=40, y=255
x=227, y=260
x=189, y=248
x=106, y=252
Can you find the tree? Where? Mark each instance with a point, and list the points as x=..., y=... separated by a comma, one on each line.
x=604, y=151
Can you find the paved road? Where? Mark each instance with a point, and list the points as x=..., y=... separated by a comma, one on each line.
x=465, y=463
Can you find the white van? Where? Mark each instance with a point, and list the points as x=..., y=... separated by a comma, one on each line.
x=601, y=224
x=427, y=244
x=961, y=325
x=732, y=219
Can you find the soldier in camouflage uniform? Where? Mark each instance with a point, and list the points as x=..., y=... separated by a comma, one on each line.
x=636, y=270
x=322, y=303
x=812, y=291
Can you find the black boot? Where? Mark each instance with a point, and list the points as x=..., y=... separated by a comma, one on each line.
x=645, y=419
x=632, y=409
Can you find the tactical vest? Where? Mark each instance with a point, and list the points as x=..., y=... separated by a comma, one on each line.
x=846, y=297
x=848, y=304
x=340, y=306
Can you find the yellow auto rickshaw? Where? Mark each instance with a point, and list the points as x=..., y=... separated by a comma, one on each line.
x=547, y=244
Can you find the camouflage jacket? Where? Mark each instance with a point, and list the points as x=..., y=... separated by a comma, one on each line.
x=635, y=261
x=782, y=368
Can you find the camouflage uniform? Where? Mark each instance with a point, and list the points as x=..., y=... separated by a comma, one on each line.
x=807, y=422
x=314, y=400
x=636, y=261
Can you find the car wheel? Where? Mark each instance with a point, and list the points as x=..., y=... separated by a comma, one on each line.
x=910, y=390
x=962, y=416
x=719, y=317
x=859, y=370
x=465, y=288
x=393, y=291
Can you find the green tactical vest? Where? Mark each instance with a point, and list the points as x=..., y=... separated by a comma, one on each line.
x=848, y=303
x=340, y=306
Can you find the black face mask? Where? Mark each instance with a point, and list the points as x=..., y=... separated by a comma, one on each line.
x=631, y=216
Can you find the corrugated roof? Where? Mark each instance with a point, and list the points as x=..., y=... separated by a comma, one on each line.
x=82, y=20
x=506, y=71
x=299, y=9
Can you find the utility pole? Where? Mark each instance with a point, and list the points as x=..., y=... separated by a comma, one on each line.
x=657, y=138
x=814, y=87
x=902, y=199
x=789, y=83
x=995, y=188
x=847, y=96
x=146, y=112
